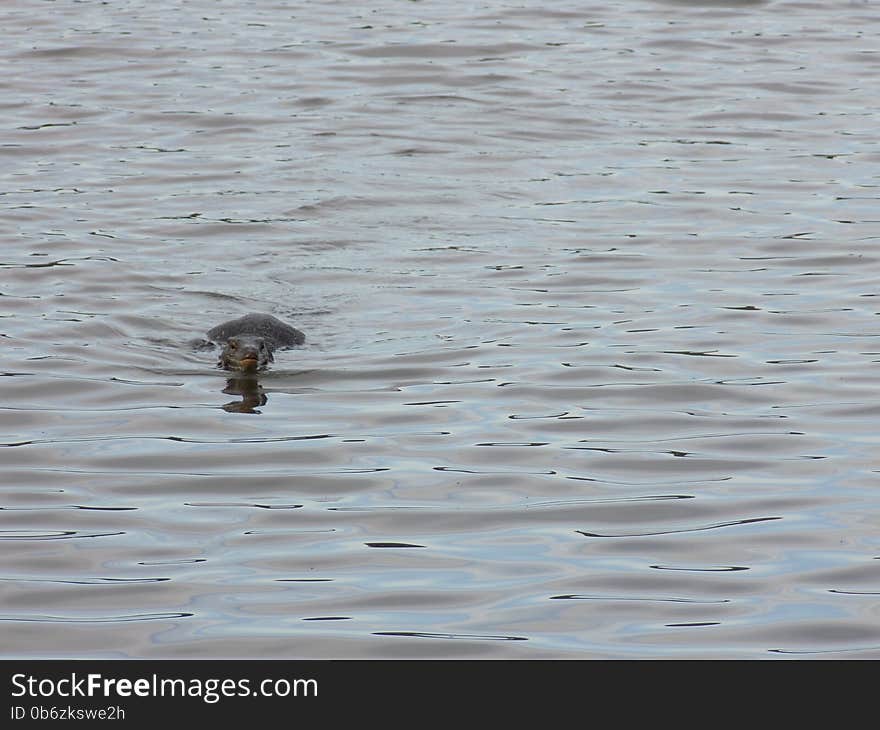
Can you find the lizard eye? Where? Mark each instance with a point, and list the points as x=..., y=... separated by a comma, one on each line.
x=232, y=344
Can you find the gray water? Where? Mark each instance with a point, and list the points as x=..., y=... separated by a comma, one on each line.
x=590, y=293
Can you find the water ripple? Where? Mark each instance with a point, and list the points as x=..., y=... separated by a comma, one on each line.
x=51, y=535
x=685, y=529
x=96, y=619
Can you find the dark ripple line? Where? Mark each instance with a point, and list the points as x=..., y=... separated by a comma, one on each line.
x=640, y=484
x=185, y=440
x=48, y=124
x=87, y=581
x=719, y=569
x=822, y=651
x=242, y=504
x=56, y=535
x=514, y=443
x=691, y=438
x=286, y=532
x=458, y=470
x=55, y=376
x=383, y=508
x=580, y=597
x=100, y=619
x=124, y=381
x=689, y=529
x=507, y=508
x=606, y=500
x=737, y=381
x=707, y=353
x=226, y=472
x=56, y=410
x=430, y=635
x=432, y=403
x=66, y=506
x=272, y=440
x=854, y=593
x=60, y=262
x=518, y=417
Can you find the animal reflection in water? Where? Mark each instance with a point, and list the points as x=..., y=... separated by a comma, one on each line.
x=252, y=394
x=248, y=346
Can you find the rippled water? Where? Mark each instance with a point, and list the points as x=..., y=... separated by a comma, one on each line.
x=590, y=292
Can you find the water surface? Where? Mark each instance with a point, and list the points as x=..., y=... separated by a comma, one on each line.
x=591, y=306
